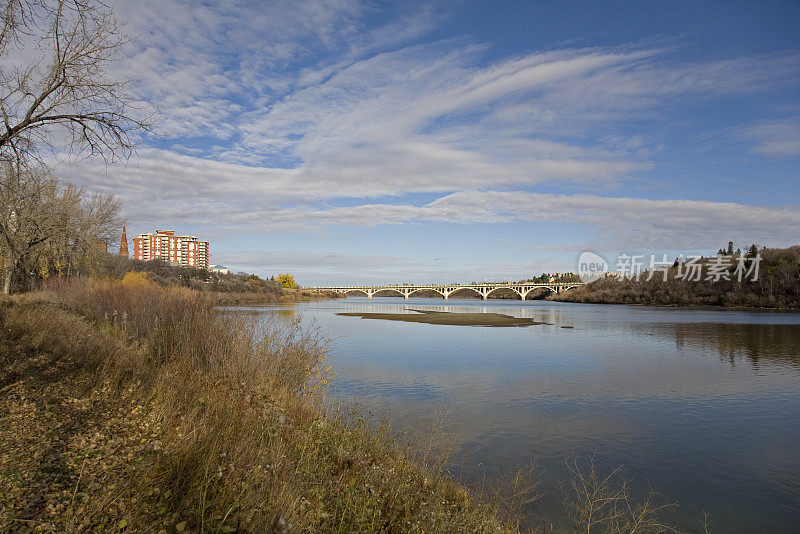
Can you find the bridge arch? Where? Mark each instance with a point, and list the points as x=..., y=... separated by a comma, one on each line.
x=427, y=289
x=377, y=292
x=361, y=291
x=504, y=287
x=473, y=290
x=547, y=291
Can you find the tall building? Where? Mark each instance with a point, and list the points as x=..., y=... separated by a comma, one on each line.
x=123, y=243
x=183, y=250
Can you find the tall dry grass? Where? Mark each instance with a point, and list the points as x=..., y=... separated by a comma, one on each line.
x=246, y=439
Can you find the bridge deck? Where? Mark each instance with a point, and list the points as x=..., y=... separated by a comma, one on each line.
x=484, y=290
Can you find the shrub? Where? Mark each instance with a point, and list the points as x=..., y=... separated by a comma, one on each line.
x=230, y=432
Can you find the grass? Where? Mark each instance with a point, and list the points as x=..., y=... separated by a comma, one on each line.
x=129, y=407
x=150, y=411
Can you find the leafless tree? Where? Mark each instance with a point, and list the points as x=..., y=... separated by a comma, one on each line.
x=58, y=93
x=57, y=83
x=48, y=226
x=90, y=227
x=29, y=199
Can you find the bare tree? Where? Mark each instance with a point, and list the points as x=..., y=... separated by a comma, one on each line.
x=58, y=92
x=93, y=224
x=50, y=227
x=56, y=83
x=29, y=199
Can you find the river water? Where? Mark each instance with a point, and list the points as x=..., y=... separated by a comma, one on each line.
x=702, y=405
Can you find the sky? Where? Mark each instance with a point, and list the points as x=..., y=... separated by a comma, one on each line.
x=351, y=142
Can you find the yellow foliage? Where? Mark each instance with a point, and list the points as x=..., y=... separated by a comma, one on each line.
x=59, y=267
x=287, y=281
x=136, y=278
x=42, y=268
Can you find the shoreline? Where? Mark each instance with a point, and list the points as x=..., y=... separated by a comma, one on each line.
x=147, y=398
x=605, y=303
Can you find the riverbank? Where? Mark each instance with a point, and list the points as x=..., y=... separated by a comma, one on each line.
x=223, y=298
x=774, y=283
x=131, y=407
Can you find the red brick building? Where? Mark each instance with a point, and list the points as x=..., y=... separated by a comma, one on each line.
x=183, y=250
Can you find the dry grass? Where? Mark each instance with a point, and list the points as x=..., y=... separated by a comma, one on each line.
x=125, y=406
x=187, y=419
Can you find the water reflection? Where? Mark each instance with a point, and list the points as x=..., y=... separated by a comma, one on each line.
x=286, y=313
x=662, y=391
x=776, y=343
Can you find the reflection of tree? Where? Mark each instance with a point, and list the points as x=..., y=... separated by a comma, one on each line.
x=771, y=342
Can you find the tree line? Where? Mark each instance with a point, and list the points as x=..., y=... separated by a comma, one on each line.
x=49, y=227
x=774, y=282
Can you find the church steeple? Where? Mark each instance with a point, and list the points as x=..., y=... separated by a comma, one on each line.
x=123, y=243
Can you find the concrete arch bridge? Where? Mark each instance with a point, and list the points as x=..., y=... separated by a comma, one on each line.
x=446, y=290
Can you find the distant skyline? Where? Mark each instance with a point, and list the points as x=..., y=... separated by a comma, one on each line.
x=358, y=142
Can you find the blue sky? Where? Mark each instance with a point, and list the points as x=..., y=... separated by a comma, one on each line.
x=354, y=142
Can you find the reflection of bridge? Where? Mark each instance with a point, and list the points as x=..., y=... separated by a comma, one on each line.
x=482, y=290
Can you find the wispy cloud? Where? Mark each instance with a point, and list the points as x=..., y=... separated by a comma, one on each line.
x=178, y=189
x=774, y=138
x=321, y=268
x=312, y=114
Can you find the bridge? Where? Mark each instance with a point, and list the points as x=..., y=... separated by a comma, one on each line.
x=446, y=290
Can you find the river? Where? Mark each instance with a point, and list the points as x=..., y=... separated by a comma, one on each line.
x=702, y=405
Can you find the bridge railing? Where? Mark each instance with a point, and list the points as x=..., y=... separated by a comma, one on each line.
x=425, y=286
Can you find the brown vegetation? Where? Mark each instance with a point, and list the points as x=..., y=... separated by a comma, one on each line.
x=48, y=227
x=130, y=406
x=778, y=286
x=127, y=406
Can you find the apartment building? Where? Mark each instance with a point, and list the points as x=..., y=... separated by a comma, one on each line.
x=183, y=250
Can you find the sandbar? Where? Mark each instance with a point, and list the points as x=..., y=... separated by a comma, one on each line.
x=448, y=318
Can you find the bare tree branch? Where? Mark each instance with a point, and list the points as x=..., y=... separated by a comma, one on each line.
x=68, y=95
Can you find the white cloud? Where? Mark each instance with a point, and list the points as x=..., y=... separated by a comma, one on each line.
x=312, y=268
x=277, y=114
x=615, y=222
x=774, y=138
